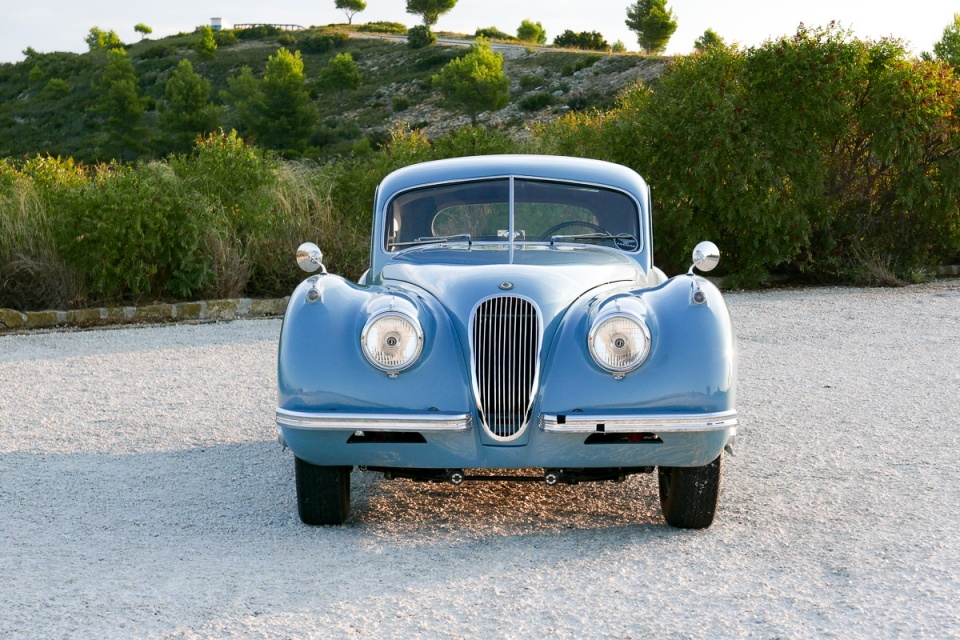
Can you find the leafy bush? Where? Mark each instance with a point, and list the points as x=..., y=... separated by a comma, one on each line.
x=536, y=101
x=262, y=32
x=492, y=33
x=224, y=38
x=400, y=103
x=421, y=36
x=286, y=40
x=817, y=154
x=530, y=31
x=589, y=40
x=155, y=52
x=382, y=27
x=134, y=230
x=321, y=43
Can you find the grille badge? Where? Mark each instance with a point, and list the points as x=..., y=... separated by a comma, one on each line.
x=506, y=286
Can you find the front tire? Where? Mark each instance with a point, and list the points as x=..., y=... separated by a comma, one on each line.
x=323, y=493
x=689, y=495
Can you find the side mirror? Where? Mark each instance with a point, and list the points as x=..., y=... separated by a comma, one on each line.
x=706, y=256
x=309, y=257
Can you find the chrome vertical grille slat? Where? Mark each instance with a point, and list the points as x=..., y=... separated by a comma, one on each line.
x=505, y=340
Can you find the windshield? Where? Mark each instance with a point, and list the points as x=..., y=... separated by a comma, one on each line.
x=544, y=212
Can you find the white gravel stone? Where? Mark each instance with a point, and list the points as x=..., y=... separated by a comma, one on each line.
x=142, y=494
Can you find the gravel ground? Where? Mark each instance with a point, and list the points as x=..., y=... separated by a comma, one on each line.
x=142, y=494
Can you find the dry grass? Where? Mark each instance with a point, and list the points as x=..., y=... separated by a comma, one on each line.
x=32, y=273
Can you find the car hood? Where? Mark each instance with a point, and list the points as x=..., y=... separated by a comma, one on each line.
x=552, y=277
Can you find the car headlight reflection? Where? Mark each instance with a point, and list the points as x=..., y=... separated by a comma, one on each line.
x=391, y=341
x=619, y=342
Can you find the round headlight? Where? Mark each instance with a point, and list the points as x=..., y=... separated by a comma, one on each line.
x=391, y=341
x=619, y=342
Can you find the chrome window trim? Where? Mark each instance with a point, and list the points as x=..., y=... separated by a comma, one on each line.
x=656, y=423
x=534, y=388
x=511, y=177
x=593, y=332
x=377, y=316
x=336, y=420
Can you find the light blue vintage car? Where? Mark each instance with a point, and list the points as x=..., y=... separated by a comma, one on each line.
x=511, y=318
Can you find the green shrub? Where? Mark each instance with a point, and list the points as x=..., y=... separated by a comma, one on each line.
x=590, y=40
x=224, y=38
x=492, y=33
x=818, y=154
x=321, y=43
x=382, y=27
x=257, y=33
x=528, y=81
x=286, y=40
x=536, y=101
x=532, y=32
x=155, y=52
x=400, y=103
x=134, y=230
x=421, y=36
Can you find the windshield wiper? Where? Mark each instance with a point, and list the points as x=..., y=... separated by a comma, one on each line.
x=433, y=240
x=594, y=236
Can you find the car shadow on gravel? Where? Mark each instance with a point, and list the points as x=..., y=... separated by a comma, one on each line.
x=247, y=488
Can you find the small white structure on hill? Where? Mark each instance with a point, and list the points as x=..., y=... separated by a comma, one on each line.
x=216, y=24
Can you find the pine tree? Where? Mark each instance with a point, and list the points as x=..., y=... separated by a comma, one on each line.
x=350, y=8
x=279, y=112
x=118, y=99
x=340, y=75
x=653, y=23
x=430, y=10
x=475, y=81
x=187, y=112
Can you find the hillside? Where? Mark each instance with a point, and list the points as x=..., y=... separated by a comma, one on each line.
x=47, y=100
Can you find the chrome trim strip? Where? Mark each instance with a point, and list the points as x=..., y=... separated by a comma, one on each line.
x=432, y=421
x=659, y=423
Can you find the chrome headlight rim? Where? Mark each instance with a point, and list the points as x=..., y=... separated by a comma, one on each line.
x=378, y=316
x=591, y=336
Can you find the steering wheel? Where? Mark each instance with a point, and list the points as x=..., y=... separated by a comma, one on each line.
x=571, y=223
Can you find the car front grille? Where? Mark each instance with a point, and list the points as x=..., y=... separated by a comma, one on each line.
x=506, y=341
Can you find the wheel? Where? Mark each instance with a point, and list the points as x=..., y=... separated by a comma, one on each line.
x=689, y=495
x=323, y=493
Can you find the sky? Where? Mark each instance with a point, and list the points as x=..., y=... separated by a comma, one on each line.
x=48, y=25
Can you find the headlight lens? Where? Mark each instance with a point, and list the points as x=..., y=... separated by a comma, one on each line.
x=391, y=341
x=619, y=342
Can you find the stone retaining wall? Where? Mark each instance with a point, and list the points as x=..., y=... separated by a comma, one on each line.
x=200, y=310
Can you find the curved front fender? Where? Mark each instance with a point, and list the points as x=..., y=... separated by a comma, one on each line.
x=321, y=366
x=691, y=367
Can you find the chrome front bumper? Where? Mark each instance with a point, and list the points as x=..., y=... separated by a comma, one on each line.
x=335, y=420
x=662, y=423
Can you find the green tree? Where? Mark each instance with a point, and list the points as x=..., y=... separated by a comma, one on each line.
x=948, y=48
x=119, y=101
x=530, y=31
x=350, y=8
x=340, y=75
x=100, y=39
x=618, y=47
x=187, y=112
x=206, y=44
x=475, y=81
x=708, y=40
x=587, y=40
x=276, y=109
x=420, y=36
x=653, y=23
x=430, y=10
x=143, y=30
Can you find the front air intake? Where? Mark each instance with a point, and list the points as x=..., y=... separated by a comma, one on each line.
x=505, y=336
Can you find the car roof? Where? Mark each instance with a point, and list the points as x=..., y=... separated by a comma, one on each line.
x=533, y=166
